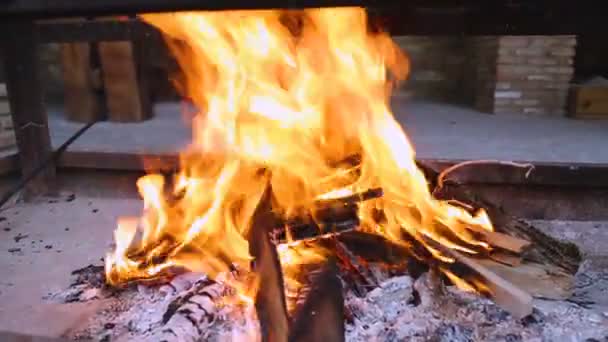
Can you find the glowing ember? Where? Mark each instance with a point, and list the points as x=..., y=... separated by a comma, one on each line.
x=282, y=104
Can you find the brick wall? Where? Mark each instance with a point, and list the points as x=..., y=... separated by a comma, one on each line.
x=7, y=136
x=532, y=75
x=437, y=66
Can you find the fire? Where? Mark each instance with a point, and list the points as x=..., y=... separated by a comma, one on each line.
x=284, y=97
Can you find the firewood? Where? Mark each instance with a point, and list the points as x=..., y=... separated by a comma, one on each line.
x=321, y=316
x=541, y=281
x=270, y=300
x=543, y=250
x=361, y=278
x=504, y=293
x=505, y=258
x=504, y=241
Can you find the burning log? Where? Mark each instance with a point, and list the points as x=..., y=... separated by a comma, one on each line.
x=321, y=316
x=270, y=298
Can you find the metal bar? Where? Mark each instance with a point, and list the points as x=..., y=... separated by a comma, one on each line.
x=416, y=17
x=60, y=8
x=93, y=31
x=27, y=104
x=51, y=159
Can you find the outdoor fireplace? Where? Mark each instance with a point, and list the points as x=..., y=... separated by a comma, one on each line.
x=300, y=192
x=297, y=169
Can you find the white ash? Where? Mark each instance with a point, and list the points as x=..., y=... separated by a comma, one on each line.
x=400, y=309
x=396, y=312
x=139, y=314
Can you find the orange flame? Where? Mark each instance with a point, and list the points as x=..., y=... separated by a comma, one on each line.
x=281, y=104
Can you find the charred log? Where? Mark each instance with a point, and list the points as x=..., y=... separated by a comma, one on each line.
x=270, y=298
x=321, y=316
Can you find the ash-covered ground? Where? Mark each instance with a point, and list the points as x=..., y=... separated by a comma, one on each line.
x=400, y=309
x=403, y=310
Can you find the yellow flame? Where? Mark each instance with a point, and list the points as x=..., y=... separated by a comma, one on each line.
x=281, y=105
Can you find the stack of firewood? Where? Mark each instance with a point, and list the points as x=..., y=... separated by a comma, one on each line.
x=7, y=135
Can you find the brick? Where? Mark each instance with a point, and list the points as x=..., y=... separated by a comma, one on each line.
x=534, y=110
x=557, y=86
x=6, y=122
x=540, y=78
x=518, y=69
x=542, y=41
x=563, y=70
x=427, y=75
x=530, y=52
x=507, y=94
x=527, y=102
x=505, y=110
x=502, y=59
x=514, y=41
x=4, y=106
x=542, y=61
x=568, y=41
x=503, y=85
x=7, y=139
x=562, y=51
x=504, y=102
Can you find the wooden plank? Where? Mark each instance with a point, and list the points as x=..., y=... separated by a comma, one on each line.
x=504, y=241
x=125, y=100
x=541, y=281
x=504, y=293
x=589, y=102
x=27, y=104
x=83, y=101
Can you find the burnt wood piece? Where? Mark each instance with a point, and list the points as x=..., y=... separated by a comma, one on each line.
x=270, y=301
x=27, y=104
x=436, y=17
x=361, y=277
x=321, y=316
x=502, y=291
x=327, y=216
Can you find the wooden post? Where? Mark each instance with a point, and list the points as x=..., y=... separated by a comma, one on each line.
x=26, y=100
x=127, y=94
x=83, y=101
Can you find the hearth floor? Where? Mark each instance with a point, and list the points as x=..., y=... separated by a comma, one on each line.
x=42, y=242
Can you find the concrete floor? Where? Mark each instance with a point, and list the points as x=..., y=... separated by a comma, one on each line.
x=438, y=131
x=52, y=239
